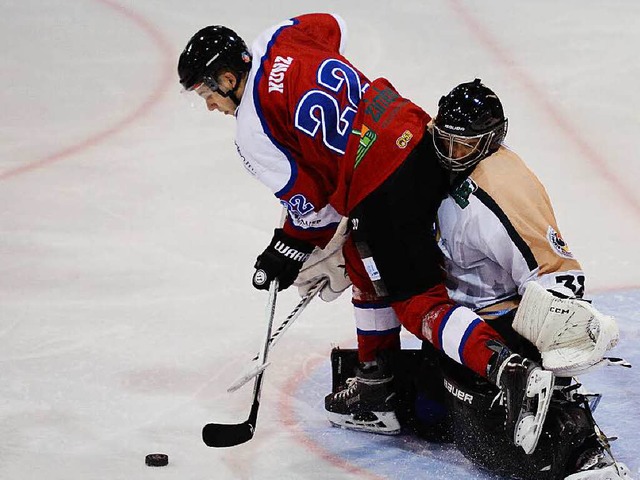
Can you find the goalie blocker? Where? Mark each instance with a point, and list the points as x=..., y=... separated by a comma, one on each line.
x=439, y=400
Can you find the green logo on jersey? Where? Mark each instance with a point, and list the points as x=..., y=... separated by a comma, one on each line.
x=367, y=137
x=462, y=193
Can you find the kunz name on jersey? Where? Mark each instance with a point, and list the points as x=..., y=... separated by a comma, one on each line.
x=291, y=252
x=276, y=77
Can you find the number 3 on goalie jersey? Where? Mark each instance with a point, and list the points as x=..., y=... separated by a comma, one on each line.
x=575, y=283
x=319, y=108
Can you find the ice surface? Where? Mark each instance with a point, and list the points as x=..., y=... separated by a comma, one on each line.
x=128, y=227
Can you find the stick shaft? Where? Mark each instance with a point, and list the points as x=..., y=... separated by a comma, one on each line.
x=229, y=435
x=286, y=323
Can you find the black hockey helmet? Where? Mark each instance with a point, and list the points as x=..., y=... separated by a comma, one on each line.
x=210, y=50
x=470, y=125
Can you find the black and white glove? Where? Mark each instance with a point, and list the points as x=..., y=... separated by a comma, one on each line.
x=282, y=259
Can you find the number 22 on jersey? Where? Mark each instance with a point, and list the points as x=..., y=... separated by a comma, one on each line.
x=321, y=108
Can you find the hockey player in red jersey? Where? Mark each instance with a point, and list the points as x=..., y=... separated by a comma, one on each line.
x=331, y=143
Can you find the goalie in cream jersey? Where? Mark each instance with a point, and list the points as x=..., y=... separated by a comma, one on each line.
x=500, y=239
x=498, y=231
x=503, y=252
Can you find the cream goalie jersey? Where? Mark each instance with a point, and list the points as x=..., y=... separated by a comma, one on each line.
x=498, y=231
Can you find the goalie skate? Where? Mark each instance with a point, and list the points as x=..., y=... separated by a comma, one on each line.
x=526, y=392
x=597, y=465
x=534, y=409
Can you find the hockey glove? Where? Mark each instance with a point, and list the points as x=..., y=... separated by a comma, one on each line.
x=328, y=263
x=282, y=259
x=571, y=335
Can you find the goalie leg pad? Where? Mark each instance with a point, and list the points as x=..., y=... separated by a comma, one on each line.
x=480, y=435
x=418, y=388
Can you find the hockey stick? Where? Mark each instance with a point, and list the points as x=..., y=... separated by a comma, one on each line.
x=228, y=435
x=287, y=322
x=297, y=310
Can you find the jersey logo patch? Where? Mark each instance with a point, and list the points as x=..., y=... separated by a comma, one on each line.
x=305, y=223
x=404, y=139
x=558, y=244
x=381, y=103
x=367, y=137
x=463, y=192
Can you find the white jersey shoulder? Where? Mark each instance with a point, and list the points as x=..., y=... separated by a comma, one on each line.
x=497, y=231
x=260, y=153
x=260, y=156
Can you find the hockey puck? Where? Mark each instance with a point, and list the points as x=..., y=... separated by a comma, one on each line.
x=156, y=460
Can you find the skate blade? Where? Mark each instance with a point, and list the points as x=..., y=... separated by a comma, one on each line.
x=529, y=428
x=617, y=471
x=384, y=423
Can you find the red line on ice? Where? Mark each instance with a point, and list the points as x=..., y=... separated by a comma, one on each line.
x=165, y=81
x=287, y=412
x=538, y=95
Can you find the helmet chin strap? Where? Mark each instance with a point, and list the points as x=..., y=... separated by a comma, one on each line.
x=231, y=93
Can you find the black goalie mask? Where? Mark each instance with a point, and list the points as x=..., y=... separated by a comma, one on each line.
x=470, y=126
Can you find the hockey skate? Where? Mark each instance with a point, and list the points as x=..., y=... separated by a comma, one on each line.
x=525, y=391
x=366, y=404
x=595, y=464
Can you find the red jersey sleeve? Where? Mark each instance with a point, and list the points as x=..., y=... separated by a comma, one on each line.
x=328, y=31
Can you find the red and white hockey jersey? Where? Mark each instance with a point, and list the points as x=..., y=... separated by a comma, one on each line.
x=498, y=231
x=308, y=117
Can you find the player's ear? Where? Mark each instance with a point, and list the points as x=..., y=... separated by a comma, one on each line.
x=230, y=78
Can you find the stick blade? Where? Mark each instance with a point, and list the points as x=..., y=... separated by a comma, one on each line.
x=221, y=435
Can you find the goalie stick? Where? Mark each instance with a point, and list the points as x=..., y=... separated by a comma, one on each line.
x=286, y=323
x=229, y=435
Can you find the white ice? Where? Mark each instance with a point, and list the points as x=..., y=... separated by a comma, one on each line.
x=128, y=227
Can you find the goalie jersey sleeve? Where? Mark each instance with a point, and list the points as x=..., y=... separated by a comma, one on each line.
x=295, y=118
x=498, y=231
